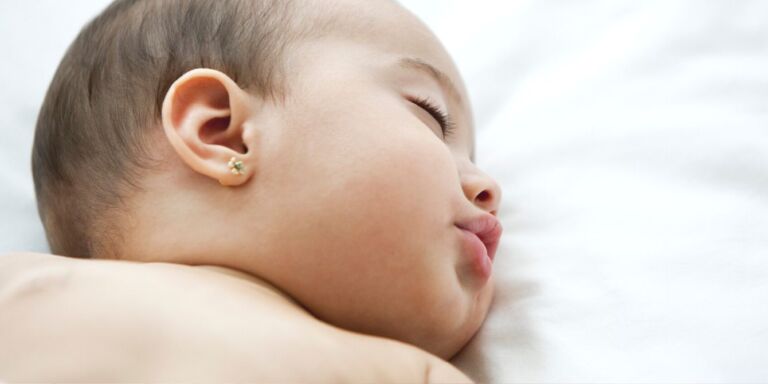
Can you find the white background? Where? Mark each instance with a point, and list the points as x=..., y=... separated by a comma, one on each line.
x=631, y=141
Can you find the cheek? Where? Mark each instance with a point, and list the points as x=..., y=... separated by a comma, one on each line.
x=370, y=210
x=402, y=187
x=382, y=205
x=386, y=171
x=384, y=227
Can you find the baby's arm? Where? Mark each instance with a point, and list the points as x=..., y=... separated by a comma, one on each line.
x=82, y=320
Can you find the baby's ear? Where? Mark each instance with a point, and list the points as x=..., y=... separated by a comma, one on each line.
x=208, y=120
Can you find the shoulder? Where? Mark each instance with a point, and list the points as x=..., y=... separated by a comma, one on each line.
x=23, y=274
x=19, y=260
x=25, y=271
x=43, y=298
x=173, y=322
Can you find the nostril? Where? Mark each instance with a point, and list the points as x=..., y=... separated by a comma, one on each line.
x=483, y=196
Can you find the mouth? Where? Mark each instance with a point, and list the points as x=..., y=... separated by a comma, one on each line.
x=480, y=237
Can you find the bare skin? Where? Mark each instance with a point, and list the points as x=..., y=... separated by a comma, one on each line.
x=66, y=320
x=335, y=255
x=351, y=193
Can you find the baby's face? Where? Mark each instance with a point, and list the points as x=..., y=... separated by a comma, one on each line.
x=355, y=201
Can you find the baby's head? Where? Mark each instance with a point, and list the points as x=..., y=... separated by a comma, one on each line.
x=356, y=141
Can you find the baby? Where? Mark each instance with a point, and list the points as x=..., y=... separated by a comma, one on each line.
x=282, y=190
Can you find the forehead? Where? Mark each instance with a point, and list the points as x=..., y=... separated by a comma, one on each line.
x=389, y=27
x=396, y=32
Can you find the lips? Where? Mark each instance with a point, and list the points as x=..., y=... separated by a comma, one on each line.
x=487, y=229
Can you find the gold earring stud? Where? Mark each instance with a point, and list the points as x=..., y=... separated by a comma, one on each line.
x=236, y=166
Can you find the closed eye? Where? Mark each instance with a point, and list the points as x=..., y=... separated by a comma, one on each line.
x=441, y=117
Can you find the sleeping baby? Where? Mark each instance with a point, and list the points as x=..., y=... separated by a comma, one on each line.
x=262, y=191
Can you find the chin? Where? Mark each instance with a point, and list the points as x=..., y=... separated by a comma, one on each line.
x=474, y=323
x=450, y=343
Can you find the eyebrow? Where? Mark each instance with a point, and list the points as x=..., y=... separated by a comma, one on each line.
x=445, y=82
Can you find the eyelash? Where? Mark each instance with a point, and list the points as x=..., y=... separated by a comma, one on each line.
x=442, y=117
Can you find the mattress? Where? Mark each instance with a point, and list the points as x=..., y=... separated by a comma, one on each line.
x=631, y=143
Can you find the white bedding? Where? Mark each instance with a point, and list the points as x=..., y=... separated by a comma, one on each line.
x=631, y=141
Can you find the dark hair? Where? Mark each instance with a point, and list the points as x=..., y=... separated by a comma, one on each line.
x=98, y=126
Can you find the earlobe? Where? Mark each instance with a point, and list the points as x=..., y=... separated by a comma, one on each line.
x=206, y=117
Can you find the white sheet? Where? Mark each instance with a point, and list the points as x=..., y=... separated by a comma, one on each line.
x=631, y=141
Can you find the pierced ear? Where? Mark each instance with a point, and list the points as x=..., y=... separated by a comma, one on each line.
x=205, y=116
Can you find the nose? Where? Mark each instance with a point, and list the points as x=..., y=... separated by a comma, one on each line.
x=482, y=190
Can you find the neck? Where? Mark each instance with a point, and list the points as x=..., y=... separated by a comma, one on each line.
x=263, y=287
